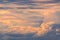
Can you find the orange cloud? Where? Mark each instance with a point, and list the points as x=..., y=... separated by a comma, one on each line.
x=10, y=17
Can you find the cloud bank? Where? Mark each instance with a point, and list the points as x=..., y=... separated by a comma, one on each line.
x=23, y=21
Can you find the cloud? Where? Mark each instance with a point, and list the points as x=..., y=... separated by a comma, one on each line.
x=21, y=21
x=42, y=0
x=57, y=31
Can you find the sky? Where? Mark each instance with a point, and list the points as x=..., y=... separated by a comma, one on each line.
x=30, y=19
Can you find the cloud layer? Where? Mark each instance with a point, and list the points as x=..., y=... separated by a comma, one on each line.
x=32, y=19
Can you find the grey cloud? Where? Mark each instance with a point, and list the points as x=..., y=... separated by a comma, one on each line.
x=29, y=2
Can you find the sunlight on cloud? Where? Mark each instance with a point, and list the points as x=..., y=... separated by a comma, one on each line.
x=20, y=21
x=57, y=31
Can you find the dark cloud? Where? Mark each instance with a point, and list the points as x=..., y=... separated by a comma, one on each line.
x=28, y=1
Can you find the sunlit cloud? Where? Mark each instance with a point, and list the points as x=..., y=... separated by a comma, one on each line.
x=21, y=21
x=57, y=31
